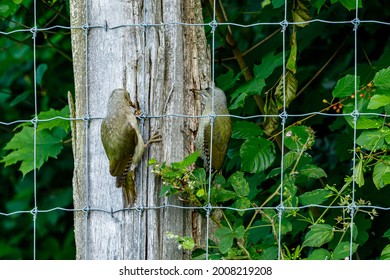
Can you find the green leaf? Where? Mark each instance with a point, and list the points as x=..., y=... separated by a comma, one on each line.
x=268, y=65
x=312, y=171
x=286, y=226
x=239, y=101
x=385, y=255
x=245, y=130
x=291, y=157
x=152, y=161
x=166, y=190
x=257, y=154
x=317, y=196
x=345, y=86
x=228, y=80
x=277, y=3
x=319, y=254
x=351, y=4
x=387, y=234
x=226, y=239
x=190, y=159
x=291, y=86
x=382, y=79
x=41, y=69
x=318, y=4
x=269, y=253
x=373, y=139
x=239, y=183
x=187, y=243
x=199, y=175
x=359, y=173
x=378, y=101
x=259, y=231
x=200, y=193
x=381, y=173
x=52, y=119
x=318, y=235
x=22, y=146
x=363, y=121
x=242, y=203
x=342, y=250
x=223, y=232
x=239, y=232
x=55, y=117
x=296, y=138
x=344, y=146
x=300, y=14
x=20, y=98
x=256, y=85
x=220, y=195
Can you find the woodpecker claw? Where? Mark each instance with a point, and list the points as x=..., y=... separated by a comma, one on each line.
x=156, y=137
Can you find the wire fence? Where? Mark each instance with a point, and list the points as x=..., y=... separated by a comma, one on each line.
x=283, y=116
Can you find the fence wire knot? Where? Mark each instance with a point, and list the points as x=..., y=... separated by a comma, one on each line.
x=355, y=115
x=144, y=25
x=213, y=24
x=85, y=27
x=33, y=30
x=140, y=209
x=86, y=117
x=283, y=116
x=355, y=22
x=142, y=117
x=284, y=25
x=280, y=208
x=212, y=117
x=352, y=208
x=208, y=209
x=34, y=212
x=34, y=121
x=112, y=212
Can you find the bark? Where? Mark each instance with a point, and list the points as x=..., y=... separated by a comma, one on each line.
x=158, y=65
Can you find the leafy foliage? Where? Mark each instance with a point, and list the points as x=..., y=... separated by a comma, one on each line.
x=54, y=77
x=317, y=159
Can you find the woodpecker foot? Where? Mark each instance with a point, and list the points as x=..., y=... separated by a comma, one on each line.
x=156, y=137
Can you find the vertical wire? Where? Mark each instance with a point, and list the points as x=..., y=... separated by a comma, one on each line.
x=280, y=208
x=141, y=198
x=35, y=130
x=86, y=126
x=212, y=118
x=355, y=116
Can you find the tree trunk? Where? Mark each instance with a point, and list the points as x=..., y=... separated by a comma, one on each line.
x=158, y=65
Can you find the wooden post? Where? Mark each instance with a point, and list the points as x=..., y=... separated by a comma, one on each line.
x=158, y=65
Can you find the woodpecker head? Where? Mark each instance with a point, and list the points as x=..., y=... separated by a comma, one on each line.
x=118, y=97
x=207, y=94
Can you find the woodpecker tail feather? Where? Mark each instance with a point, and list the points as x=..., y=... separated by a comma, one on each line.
x=126, y=181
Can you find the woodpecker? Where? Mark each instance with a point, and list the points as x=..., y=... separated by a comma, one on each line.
x=222, y=128
x=122, y=142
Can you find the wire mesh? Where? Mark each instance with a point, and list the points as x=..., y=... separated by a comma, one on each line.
x=283, y=116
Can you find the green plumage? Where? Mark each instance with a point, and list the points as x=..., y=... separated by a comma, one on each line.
x=222, y=129
x=122, y=142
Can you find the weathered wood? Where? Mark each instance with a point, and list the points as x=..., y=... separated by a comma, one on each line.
x=158, y=65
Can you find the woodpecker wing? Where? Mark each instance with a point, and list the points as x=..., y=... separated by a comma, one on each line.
x=221, y=134
x=119, y=139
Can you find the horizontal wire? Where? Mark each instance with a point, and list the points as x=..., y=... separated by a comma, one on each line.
x=212, y=24
x=165, y=206
x=143, y=116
